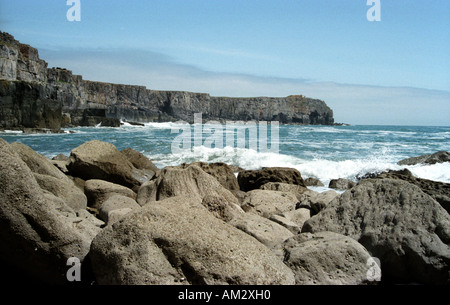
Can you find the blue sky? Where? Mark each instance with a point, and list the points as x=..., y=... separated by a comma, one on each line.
x=395, y=71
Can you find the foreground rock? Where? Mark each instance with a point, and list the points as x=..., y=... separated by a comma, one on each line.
x=116, y=207
x=438, y=157
x=253, y=179
x=101, y=160
x=267, y=203
x=50, y=178
x=268, y=232
x=398, y=223
x=39, y=231
x=177, y=241
x=328, y=258
x=98, y=191
x=440, y=191
x=191, y=181
x=140, y=161
x=221, y=171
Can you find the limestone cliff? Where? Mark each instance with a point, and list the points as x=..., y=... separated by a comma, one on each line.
x=84, y=102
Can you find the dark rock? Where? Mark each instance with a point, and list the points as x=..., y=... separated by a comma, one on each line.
x=313, y=182
x=253, y=179
x=396, y=222
x=438, y=157
x=29, y=105
x=341, y=184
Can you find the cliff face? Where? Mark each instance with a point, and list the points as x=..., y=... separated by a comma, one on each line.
x=78, y=98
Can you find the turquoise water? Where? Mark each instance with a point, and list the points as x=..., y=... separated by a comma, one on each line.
x=323, y=152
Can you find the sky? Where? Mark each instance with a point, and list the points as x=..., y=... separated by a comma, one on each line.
x=395, y=71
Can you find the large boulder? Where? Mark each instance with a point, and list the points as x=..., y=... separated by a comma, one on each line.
x=440, y=191
x=98, y=191
x=398, y=223
x=317, y=201
x=298, y=216
x=39, y=231
x=266, y=203
x=115, y=207
x=101, y=160
x=50, y=178
x=328, y=258
x=177, y=241
x=268, y=232
x=221, y=171
x=253, y=179
x=437, y=157
x=189, y=181
x=140, y=161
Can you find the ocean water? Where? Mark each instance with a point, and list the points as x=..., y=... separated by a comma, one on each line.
x=322, y=152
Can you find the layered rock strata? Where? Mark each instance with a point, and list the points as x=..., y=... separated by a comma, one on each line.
x=81, y=102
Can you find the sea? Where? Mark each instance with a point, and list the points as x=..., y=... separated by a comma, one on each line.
x=321, y=152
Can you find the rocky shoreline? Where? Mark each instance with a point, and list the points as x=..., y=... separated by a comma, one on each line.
x=131, y=223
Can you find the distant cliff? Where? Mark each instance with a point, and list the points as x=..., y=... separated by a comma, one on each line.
x=29, y=89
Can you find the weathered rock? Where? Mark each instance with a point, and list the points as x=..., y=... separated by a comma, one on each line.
x=266, y=203
x=396, y=222
x=437, y=157
x=61, y=165
x=100, y=160
x=64, y=189
x=328, y=258
x=253, y=179
x=50, y=178
x=313, y=182
x=138, y=160
x=268, y=232
x=221, y=208
x=317, y=201
x=39, y=232
x=115, y=207
x=221, y=171
x=298, y=216
x=190, y=181
x=98, y=191
x=285, y=187
x=440, y=191
x=341, y=184
x=177, y=240
x=285, y=222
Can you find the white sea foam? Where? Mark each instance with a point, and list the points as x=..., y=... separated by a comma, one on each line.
x=437, y=172
x=322, y=169
x=13, y=131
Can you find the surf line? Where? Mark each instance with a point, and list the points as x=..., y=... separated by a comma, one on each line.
x=253, y=135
